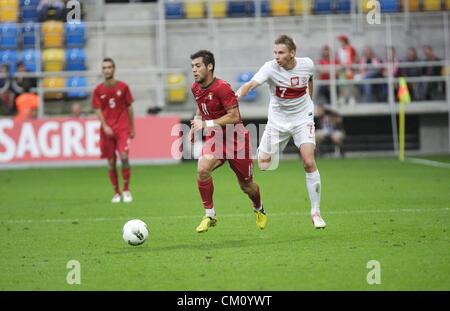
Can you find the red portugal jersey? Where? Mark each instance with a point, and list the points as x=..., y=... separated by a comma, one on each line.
x=114, y=102
x=214, y=101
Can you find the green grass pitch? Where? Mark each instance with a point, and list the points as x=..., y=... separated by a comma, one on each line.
x=375, y=209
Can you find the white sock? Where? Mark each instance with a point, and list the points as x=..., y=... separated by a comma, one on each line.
x=314, y=189
x=210, y=212
x=259, y=208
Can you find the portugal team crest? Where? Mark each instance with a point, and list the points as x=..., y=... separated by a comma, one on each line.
x=210, y=96
x=295, y=81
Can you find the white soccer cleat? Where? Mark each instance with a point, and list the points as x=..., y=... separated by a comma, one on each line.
x=116, y=198
x=318, y=222
x=127, y=198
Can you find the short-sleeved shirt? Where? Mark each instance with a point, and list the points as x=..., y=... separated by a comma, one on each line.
x=114, y=102
x=288, y=88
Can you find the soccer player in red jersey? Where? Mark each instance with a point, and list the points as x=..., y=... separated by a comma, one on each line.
x=218, y=108
x=112, y=101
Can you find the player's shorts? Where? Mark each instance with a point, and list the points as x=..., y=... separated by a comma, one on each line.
x=120, y=142
x=235, y=149
x=277, y=135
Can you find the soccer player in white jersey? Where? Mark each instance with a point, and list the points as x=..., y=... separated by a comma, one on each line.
x=291, y=114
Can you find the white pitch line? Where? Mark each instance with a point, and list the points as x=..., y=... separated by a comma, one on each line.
x=428, y=162
x=344, y=212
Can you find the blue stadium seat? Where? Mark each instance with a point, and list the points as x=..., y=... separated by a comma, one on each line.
x=75, y=34
x=244, y=77
x=75, y=59
x=323, y=7
x=388, y=6
x=241, y=8
x=9, y=57
x=174, y=10
x=76, y=82
x=343, y=6
x=29, y=31
x=28, y=11
x=265, y=8
x=31, y=59
x=8, y=36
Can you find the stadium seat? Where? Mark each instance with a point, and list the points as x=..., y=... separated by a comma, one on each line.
x=75, y=34
x=9, y=57
x=8, y=36
x=53, y=33
x=265, y=8
x=323, y=7
x=343, y=6
x=389, y=6
x=174, y=10
x=218, y=8
x=73, y=82
x=244, y=77
x=9, y=11
x=53, y=60
x=413, y=5
x=194, y=9
x=301, y=5
x=432, y=5
x=29, y=33
x=75, y=59
x=241, y=8
x=176, y=88
x=54, y=83
x=28, y=11
x=447, y=4
x=280, y=7
x=31, y=59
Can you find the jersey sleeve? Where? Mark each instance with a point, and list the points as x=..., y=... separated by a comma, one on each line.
x=128, y=96
x=227, y=97
x=96, y=103
x=263, y=74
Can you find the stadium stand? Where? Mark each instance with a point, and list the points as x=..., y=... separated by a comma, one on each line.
x=195, y=9
x=29, y=11
x=176, y=88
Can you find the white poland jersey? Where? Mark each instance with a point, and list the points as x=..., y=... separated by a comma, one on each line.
x=288, y=88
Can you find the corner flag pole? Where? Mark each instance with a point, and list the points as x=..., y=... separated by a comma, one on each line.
x=404, y=98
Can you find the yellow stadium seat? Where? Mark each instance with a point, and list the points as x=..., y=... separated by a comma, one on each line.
x=447, y=4
x=176, y=88
x=54, y=83
x=413, y=5
x=300, y=5
x=9, y=11
x=194, y=9
x=53, y=59
x=280, y=7
x=432, y=5
x=53, y=33
x=218, y=8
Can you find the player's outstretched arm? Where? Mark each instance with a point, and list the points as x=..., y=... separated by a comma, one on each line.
x=246, y=88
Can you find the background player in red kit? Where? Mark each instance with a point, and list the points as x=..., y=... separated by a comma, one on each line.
x=112, y=101
x=217, y=107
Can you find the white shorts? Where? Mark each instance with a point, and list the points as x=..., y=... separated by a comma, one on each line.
x=274, y=139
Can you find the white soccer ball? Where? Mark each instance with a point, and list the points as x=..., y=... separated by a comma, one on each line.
x=135, y=232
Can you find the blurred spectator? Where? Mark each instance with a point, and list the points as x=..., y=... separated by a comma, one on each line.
x=369, y=68
x=27, y=106
x=346, y=57
x=76, y=111
x=7, y=106
x=391, y=57
x=416, y=89
x=20, y=84
x=329, y=128
x=433, y=90
x=324, y=74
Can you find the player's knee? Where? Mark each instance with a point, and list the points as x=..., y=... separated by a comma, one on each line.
x=309, y=164
x=246, y=187
x=203, y=173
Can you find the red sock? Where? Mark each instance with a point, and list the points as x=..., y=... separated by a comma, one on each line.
x=256, y=198
x=114, y=180
x=126, y=173
x=206, y=189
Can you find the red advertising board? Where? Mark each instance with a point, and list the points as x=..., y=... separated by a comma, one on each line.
x=66, y=141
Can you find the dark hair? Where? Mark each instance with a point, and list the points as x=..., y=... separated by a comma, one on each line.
x=109, y=59
x=207, y=56
x=288, y=41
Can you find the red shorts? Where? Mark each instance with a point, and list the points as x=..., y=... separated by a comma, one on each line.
x=236, y=150
x=109, y=145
